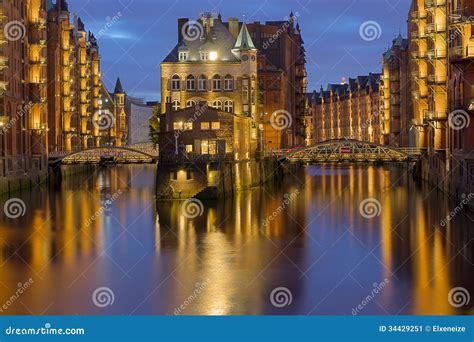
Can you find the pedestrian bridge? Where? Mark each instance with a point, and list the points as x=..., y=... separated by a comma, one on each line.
x=346, y=150
x=134, y=154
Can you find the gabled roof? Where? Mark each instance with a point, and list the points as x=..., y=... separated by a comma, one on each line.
x=219, y=40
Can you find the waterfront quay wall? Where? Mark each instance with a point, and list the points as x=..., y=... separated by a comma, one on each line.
x=17, y=173
x=216, y=179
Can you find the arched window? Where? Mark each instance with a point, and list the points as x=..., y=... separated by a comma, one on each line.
x=217, y=104
x=216, y=83
x=228, y=83
x=229, y=106
x=175, y=83
x=202, y=83
x=190, y=83
x=191, y=103
x=176, y=105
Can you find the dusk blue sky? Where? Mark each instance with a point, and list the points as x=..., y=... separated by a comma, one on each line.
x=144, y=31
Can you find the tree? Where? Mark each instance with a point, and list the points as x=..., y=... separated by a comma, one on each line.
x=154, y=124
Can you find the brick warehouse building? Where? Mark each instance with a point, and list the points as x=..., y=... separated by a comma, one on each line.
x=50, y=88
x=282, y=79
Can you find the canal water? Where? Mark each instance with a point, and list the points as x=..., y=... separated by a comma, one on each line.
x=100, y=244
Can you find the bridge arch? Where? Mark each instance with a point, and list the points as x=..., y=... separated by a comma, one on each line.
x=349, y=150
x=97, y=154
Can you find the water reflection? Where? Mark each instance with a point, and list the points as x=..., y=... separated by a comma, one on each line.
x=305, y=234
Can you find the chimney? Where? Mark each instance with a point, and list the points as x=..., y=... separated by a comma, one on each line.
x=234, y=27
x=182, y=22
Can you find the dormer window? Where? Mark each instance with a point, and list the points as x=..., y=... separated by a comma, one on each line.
x=183, y=56
x=204, y=56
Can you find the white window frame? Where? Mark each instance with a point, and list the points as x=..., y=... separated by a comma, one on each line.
x=218, y=104
x=175, y=83
x=183, y=56
x=229, y=106
x=176, y=105
x=217, y=83
x=204, y=56
x=228, y=83
x=190, y=83
x=202, y=83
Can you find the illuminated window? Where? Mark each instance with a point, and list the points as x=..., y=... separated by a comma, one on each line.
x=213, y=55
x=175, y=83
x=228, y=83
x=202, y=83
x=178, y=126
x=191, y=103
x=189, y=148
x=188, y=126
x=176, y=105
x=216, y=83
x=205, y=147
x=216, y=125
x=217, y=104
x=205, y=126
x=229, y=106
x=190, y=83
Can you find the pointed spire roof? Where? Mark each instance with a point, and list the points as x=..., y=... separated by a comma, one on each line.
x=118, y=87
x=244, y=40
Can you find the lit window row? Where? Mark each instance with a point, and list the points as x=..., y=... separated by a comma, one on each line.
x=203, y=83
x=226, y=106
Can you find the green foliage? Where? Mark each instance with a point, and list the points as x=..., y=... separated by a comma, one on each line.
x=154, y=125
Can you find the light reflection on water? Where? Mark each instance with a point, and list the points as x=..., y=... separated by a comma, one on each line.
x=316, y=244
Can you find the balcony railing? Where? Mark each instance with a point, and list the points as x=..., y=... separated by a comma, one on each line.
x=435, y=28
x=430, y=4
x=436, y=53
x=434, y=79
x=461, y=53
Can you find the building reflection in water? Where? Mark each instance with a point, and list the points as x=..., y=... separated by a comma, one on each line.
x=305, y=234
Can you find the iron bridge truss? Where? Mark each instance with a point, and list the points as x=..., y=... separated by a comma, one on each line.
x=345, y=150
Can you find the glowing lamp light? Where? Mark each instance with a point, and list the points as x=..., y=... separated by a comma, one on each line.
x=213, y=55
